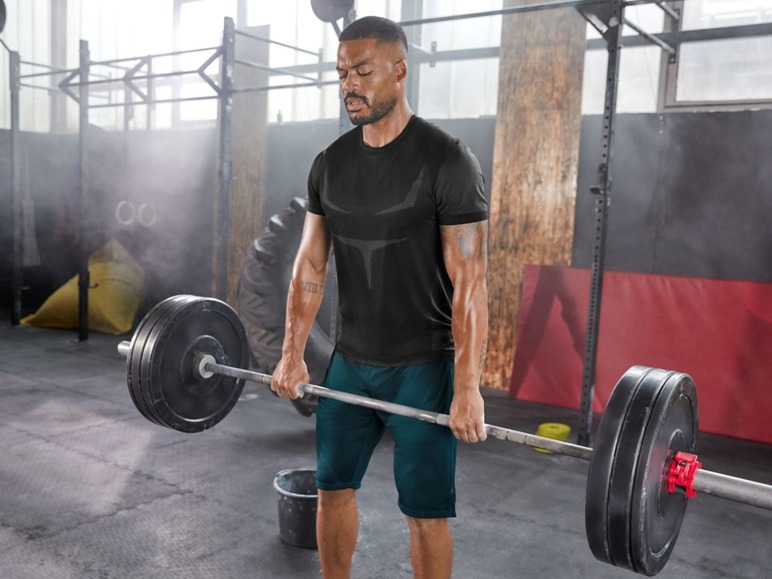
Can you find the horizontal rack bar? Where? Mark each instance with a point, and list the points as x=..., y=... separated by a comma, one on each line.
x=268, y=40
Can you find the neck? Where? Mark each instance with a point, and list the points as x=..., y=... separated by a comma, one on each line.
x=387, y=129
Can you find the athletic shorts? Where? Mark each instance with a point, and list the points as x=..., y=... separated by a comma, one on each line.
x=424, y=453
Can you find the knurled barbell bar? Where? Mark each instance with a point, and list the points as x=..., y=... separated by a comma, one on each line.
x=185, y=370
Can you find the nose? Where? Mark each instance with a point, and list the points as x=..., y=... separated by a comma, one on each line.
x=348, y=84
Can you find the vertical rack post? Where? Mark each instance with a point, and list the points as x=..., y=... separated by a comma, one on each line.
x=16, y=278
x=344, y=124
x=222, y=217
x=602, y=200
x=83, y=250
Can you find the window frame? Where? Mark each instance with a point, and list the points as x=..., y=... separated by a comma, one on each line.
x=669, y=70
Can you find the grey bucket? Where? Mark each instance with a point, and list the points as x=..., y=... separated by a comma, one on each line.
x=297, y=506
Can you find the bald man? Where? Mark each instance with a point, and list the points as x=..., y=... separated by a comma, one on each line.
x=401, y=203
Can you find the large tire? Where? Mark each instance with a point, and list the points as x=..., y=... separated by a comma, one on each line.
x=262, y=299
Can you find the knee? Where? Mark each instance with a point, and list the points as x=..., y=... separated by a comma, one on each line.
x=337, y=499
x=430, y=527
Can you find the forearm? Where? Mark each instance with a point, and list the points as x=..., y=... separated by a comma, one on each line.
x=470, y=331
x=304, y=297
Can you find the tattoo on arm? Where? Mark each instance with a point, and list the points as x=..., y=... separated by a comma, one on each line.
x=483, y=352
x=471, y=237
x=311, y=287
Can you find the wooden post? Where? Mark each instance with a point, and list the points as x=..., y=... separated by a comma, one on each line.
x=535, y=163
x=249, y=128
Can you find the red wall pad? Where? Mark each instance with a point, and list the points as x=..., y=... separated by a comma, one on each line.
x=717, y=331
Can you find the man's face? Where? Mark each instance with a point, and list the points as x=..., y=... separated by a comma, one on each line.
x=371, y=75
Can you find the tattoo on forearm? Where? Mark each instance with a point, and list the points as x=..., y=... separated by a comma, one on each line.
x=311, y=287
x=483, y=352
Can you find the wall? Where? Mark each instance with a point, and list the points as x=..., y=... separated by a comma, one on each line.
x=171, y=173
x=691, y=194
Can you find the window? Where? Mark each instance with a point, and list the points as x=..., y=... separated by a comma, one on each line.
x=717, y=70
x=639, y=67
x=467, y=87
x=20, y=36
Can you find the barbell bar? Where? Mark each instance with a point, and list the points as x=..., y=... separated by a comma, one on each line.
x=704, y=481
x=642, y=470
x=206, y=366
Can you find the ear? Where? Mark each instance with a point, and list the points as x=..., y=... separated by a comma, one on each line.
x=401, y=68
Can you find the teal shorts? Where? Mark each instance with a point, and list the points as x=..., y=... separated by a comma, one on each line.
x=424, y=453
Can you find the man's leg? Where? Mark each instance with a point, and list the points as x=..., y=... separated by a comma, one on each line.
x=431, y=548
x=337, y=526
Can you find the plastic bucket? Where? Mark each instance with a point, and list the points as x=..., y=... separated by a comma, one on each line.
x=297, y=506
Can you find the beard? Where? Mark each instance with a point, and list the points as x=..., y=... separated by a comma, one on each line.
x=377, y=110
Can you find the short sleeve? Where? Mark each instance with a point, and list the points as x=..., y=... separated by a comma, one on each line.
x=315, y=186
x=460, y=188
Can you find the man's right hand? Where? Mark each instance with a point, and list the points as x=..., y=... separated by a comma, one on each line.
x=288, y=375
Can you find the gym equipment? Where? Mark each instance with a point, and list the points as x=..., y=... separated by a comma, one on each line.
x=331, y=10
x=185, y=369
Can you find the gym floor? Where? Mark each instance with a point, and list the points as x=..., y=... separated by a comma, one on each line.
x=90, y=489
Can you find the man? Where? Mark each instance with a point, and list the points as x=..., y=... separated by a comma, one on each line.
x=401, y=203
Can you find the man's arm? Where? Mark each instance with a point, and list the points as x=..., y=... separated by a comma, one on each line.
x=303, y=300
x=465, y=251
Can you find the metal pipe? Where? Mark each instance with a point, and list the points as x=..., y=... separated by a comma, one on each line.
x=222, y=217
x=84, y=280
x=16, y=203
x=537, y=6
x=155, y=101
x=650, y=37
x=314, y=84
x=733, y=488
x=498, y=432
x=47, y=73
x=602, y=200
x=667, y=9
x=146, y=77
x=164, y=54
x=269, y=41
x=278, y=71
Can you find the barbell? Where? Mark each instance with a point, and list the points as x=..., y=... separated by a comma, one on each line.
x=186, y=367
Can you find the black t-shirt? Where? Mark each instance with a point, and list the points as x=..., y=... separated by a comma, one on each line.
x=384, y=207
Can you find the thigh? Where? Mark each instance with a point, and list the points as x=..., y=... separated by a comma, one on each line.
x=424, y=453
x=346, y=435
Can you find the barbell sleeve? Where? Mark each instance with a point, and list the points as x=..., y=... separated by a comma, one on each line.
x=734, y=489
x=124, y=348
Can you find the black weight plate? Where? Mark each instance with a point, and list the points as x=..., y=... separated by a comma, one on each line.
x=142, y=381
x=624, y=468
x=134, y=360
x=134, y=356
x=129, y=377
x=656, y=514
x=601, y=463
x=306, y=406
x=184, y=402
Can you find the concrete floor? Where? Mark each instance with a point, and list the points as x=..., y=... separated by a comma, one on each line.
x=90, y=489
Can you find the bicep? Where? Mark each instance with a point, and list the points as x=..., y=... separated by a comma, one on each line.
x=465, y=249
x=315, y=244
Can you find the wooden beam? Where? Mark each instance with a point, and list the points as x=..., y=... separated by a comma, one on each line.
x=248, y=137
x=535, y=163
